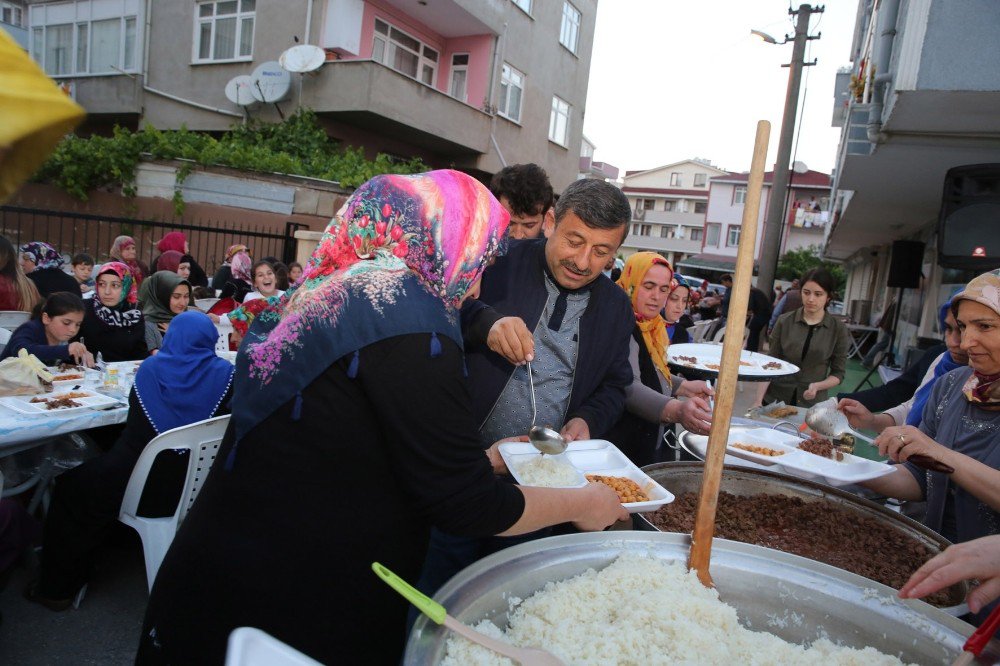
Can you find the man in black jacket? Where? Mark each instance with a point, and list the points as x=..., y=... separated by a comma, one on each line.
x=546, y=302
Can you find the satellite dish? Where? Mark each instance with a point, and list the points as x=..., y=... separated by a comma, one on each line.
x=270, y=82
x=302, y=58
x=799, y=167
x=239, y=91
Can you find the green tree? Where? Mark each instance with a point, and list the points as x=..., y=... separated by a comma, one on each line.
x=795, y=263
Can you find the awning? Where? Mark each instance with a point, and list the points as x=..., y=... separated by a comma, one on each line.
x=710, y=262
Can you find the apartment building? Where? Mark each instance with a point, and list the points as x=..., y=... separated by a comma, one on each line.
x=807, y=216
x=590, y=168
x=13, y=19
x=920, y=98
x=449, y=81
x=668, y=208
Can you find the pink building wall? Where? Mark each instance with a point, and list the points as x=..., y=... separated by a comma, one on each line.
x=479, y=48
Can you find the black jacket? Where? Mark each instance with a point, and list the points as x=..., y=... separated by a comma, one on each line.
x=900, y=389
x=515, y=286
x=50, y=280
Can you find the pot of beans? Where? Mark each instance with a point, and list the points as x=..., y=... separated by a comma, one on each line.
x=626, y=597
x=807, y=519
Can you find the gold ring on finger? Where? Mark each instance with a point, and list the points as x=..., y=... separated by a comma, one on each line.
x=902, y=440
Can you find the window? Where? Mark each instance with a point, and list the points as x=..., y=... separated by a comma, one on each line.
x=569, y=32
x=405, y=54
x=11, y=14
x=58, y=49
x=675, y=179
x=559, y=121
x=700, y=207
x=646, y=230
x=733, y=238
x=104, y=46
x=712, y=233
x=525, y=5
x=697, y=234
x=635, y=229
x=225, y=30
x=511, y=89
x=699, y=180
x=664, y=231
x=647, y=204
x=459, y=76
x=739, y=195
x=669, y=205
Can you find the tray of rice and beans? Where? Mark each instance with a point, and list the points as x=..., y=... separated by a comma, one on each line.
x=586, y=461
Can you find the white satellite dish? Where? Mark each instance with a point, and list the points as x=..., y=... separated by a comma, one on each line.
x=799, y=167
x=302, y=58
x=239, y=91
x=270, y=82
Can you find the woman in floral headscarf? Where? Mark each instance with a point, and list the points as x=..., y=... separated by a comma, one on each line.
x=650, y=400
x=124, y=250
x=960, y=429
x=225, y=273
x=113, y=324
x=43, y=266
x=320, y=427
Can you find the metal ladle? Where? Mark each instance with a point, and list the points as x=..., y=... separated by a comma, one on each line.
x=543, y=438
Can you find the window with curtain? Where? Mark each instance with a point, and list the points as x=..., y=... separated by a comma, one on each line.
x=104, y=46
x=224, y=29
x=569, y=30
x=511, y=90
x=406, y=54
x=459, y=76
x=559, y=121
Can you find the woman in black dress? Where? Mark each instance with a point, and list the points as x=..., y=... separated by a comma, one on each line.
x=352, y=434
x=113, y=325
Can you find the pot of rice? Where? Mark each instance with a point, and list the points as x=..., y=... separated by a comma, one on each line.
x=627, y=598
x=809, y=519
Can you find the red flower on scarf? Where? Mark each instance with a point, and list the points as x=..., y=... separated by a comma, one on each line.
x=380, y=228
x=363, y=222
x=386, y=211
x=400, y=250
x=396, y=233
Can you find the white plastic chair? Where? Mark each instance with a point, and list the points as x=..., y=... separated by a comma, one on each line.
x=11, y=319
x=204, y=304
x=202, y=439
x=249, y=646
x=700, y=329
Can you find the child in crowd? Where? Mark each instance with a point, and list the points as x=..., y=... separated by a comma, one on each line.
x=83, y=266
x=294, y=272
x=265, y=282
x=53, y=323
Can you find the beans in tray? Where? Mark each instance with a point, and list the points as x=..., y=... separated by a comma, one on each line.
x=821, y=446
x=759, y=450
x=782, y=412
x=627, y=489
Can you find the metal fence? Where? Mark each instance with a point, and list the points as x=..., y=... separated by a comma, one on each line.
x=72, y=233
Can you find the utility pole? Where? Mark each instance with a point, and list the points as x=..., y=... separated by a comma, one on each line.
x=775, y=222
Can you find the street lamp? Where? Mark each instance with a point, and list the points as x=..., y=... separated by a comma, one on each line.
x=773, y=225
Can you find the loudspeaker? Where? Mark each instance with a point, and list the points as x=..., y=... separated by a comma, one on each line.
x=905, y=264
x=967, y=225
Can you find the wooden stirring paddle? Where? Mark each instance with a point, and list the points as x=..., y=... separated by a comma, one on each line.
x=704, y=523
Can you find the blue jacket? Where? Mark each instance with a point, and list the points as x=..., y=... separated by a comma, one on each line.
x=515, y=286
x=31, y=336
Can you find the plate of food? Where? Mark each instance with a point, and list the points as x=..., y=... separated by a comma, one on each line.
x=57, y=403
x=777, y=412
x=707, y=359
x=590, y=460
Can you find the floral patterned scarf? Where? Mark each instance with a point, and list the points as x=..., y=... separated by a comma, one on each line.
x=125, y=313
x=398, y=258
x=233, y=251
x=981, y=389
x=43, y=254
x=654, y=331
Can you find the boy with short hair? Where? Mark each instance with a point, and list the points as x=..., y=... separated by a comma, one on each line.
x=83, y=266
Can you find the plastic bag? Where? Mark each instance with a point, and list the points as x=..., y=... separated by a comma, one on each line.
x=23, y=375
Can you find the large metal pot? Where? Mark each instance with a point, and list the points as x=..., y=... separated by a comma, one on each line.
x=682, y=477
x=768, y=588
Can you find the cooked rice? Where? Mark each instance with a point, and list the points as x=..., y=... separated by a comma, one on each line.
x=548, y=471
x=642, y=610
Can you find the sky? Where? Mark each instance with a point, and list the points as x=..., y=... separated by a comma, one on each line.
x=675, y=79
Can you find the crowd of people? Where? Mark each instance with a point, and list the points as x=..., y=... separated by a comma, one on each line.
x=388, y=370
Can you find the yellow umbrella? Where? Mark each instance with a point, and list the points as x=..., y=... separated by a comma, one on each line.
x=34, y=116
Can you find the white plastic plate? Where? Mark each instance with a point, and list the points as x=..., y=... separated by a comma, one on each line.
x=23, y=404
x=708, y=358
x=595, y=456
